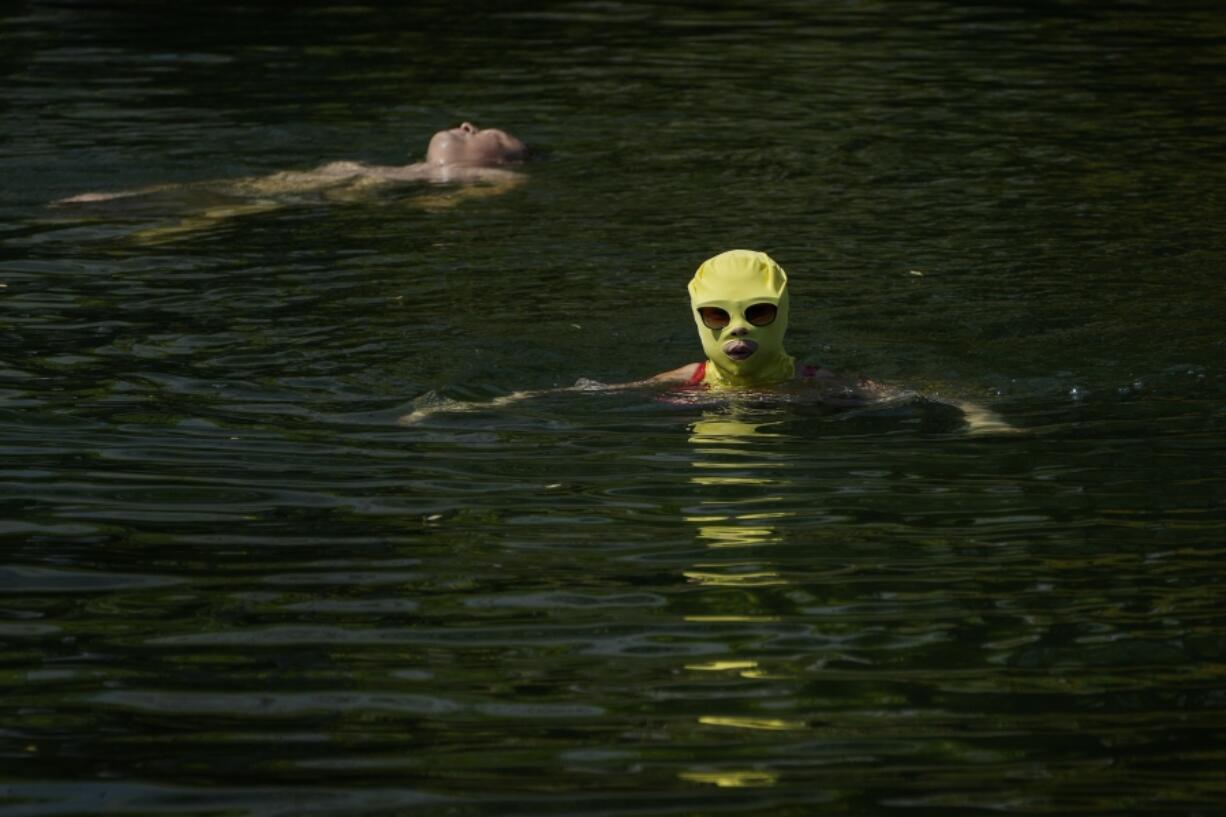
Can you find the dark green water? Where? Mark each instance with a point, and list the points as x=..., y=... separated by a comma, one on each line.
x=231, y=584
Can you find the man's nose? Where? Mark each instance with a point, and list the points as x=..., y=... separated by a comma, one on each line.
x=468, y=127
x=738, y=330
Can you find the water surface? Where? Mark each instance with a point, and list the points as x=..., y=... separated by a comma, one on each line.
x=233, y=584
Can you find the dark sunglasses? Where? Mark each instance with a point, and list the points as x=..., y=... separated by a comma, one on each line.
x=758, y=314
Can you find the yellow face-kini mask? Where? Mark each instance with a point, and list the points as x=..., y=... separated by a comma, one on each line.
x=740, y=303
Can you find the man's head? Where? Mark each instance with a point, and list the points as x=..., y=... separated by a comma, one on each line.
x=740, y=303
x=475, y=147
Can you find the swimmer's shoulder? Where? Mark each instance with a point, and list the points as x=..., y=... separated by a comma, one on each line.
x=344, y=169
x=462, y=174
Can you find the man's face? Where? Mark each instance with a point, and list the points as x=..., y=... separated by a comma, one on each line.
x=476, y=147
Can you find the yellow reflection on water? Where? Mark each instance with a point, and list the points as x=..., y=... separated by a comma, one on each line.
x=767, y=724
x=761, y=578
x=731, y=617
x=719, y=666
x=725, y=480
x=732, y=778
x=726, y=429
x=735, y=437
x=726, y=536
x=745, y=669
x=739, y=507
x=764, y=675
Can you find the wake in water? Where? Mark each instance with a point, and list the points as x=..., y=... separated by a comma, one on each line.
x=976, y=420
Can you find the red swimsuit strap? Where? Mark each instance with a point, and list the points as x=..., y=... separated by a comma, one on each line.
x=699, y=374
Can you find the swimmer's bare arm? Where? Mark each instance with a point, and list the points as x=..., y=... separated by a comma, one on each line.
x=89, y=198
x=979, y=419
x=497, y=180
x=682, y=374
x=838, y=390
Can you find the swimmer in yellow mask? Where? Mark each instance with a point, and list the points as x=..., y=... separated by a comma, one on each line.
x=478, y=160
x=739, y=301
